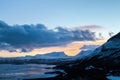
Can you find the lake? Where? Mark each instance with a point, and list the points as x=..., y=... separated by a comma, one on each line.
x=15, y=72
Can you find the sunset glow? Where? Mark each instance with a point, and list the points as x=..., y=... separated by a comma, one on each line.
x=71, y=49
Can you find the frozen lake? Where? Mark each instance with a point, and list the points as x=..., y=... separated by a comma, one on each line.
x=14, y=72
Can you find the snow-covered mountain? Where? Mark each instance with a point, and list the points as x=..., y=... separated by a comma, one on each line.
x=105, y=60
x=52, y=55
x=110, y=51
x=89, y=47
x=49, y=58
x=86, y=51
x=107, y=55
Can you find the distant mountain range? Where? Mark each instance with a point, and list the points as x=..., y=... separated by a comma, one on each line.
x=53, y=57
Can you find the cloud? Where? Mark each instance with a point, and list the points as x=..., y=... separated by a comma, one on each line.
x=90, y=27
x=24, y=38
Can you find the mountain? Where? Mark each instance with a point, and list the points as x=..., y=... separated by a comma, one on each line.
x=102, y=62
x=89, y=47
x=52, y=55
x=108, y=53
x=49, y=58
x=86, y=51
x=98, y=64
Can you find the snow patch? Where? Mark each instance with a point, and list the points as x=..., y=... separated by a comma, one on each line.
x=113, y=77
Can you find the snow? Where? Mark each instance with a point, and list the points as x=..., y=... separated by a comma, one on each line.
x=107, y=49
x=84, y=54
x=89, y=47
x=89, y=67
x=44, y=76
x=106, y=53
x=113, y=77
x=52, y=55
x=86, y=51
x=112, y=44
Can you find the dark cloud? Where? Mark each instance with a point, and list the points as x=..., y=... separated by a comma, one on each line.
x=3, y=25
x=24, y=38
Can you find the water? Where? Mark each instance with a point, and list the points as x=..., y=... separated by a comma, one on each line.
x=14, y=72
x=31, y=71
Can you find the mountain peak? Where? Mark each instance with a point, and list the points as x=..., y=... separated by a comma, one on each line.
x=117, y=36
x=113, y=42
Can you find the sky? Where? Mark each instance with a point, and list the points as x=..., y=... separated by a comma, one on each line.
x=66, y=13
x=71, y=49
x=55, y=22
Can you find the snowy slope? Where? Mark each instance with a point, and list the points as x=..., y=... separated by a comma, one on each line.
x=86, y=51
x=100, y=64
x=110, y=49
x=52, y=55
